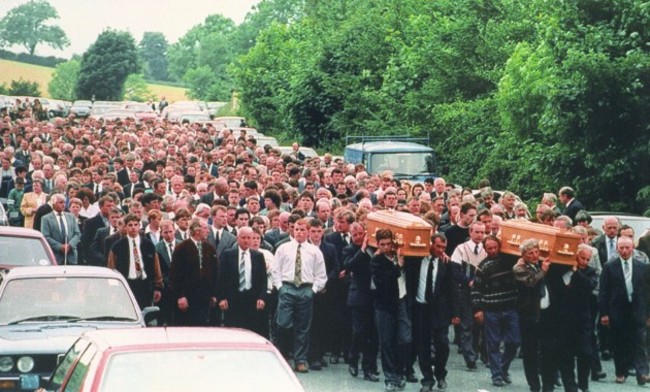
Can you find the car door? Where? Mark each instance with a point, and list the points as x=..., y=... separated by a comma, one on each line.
x=70, y=372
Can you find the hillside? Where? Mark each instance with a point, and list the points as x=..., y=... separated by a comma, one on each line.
x=12, y=70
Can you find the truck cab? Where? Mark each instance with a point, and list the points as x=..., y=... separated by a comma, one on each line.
x=407, y=157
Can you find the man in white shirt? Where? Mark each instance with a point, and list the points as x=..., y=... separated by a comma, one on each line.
x=467, y=256
x=298, y=273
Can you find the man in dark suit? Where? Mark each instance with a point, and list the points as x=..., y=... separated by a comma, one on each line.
x=432, y=292
x=323, y=331
x=242, y=286
x=219, y=237
x=165, y=248
x=341, y=319
x=61, y=232
x=574, y=311
x=356, y=259
x=571, y=204
x=274, y=236
x=97, y=251
x=106, y=204
x=134, y=183
x=136, y=259
x=124, y=175
x=193, y=277
x=219, y=192
x=606, y=242
x=624, y=309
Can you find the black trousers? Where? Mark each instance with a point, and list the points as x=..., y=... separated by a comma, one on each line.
x=423, y=335
x=364, y=338
x=538, y=336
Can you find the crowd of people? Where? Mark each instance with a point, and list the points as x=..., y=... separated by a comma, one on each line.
x=216, y=230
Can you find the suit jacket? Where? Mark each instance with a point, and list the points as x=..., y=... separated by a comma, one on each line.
x=384, y=275
x=165, y=259
x=572, y=209
x=332, y=262
x=228, y=276
x=127, y=188
x=336, y=239
x=123, y=177
x=274, y=236
x=30, y=201
x=226, y=241
x=51, y=229
x=600, y=243
x=108, y=244
x=444, y=304
x=358, y=263
x=97, y=252
x=574, y=300
x=90, y=229
x=613, y=299
x=188, y=279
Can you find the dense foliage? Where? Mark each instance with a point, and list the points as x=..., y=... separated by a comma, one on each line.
x=532, y=95
x=106, y=65
x=152, y=50
x=64, y=81
x=27, y=26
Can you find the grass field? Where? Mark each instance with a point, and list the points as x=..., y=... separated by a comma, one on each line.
x=12, y=70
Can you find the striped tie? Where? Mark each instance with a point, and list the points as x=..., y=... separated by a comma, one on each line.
x=242, y=272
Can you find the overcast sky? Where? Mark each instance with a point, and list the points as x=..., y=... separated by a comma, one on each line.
x=84, y=20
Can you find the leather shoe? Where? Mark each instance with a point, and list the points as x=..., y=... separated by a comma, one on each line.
x=442, y=384
x=354, y=371
x=411, y=378
x=315, y=366
x=499, y=383
x=606, y=355
x=371, y=377
x=334, y=359
x=598, y=376
x=507, y=380
x=301, y=368
x=643, y=379
x=471, y=365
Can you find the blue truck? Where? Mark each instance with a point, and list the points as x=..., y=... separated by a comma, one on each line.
x=409, y=158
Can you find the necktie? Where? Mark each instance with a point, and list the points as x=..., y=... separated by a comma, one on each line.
x=62, y=226
x=345, y=239
x=611, y=247
x=95, y=191
x=184, y=235
x=217, y=239
x=200, y=248
x=628, y=281
x=242, y=272
x=476, y=250
x=137, y=260
x=234, y=231
x=171, y=250
x=429, y=285
x=297, y=279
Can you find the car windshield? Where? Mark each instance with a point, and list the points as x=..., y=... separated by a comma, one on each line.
x=22, y=251
x=408, y=163
x=65, y=299
x=235, y=370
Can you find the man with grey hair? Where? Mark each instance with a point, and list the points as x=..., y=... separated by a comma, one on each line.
x=61, y=231
x=571, y=204
x=533, y=300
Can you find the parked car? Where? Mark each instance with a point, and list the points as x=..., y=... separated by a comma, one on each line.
x=264, y=140
x=81, y=108
x=45, y=309
x=117, y=114
x=639, y=223
x=142, y=111
x=231, y=122
x=213, y=107
x=192, y=117
x=173, y=359
x=308, y=152
x=20, y=246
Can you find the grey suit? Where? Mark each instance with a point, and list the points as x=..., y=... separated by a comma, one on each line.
x=55, y=238
x=227, y=241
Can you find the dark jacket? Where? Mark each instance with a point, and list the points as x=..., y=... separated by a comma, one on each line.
x=384, y=275
x=358, y=263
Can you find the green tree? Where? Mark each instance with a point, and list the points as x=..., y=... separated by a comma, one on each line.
x=153, y=53
x=64, y=81
x=136, y=89
x=26, y=25
x=24, y=87
x=106, y=65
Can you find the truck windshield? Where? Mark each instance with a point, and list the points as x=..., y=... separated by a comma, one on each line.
x=409, y=163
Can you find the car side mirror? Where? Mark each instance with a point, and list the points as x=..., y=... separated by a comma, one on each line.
x=150, y=315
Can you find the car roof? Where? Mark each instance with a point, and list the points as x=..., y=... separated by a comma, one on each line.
x=62, y=270
x=11, y=231
x=174, y=336
x=389, y=146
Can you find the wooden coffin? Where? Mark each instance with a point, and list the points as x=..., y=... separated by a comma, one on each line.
x=560, y=245
x=411, y=232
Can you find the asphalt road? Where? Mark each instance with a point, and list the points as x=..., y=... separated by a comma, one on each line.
x=337, y=378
